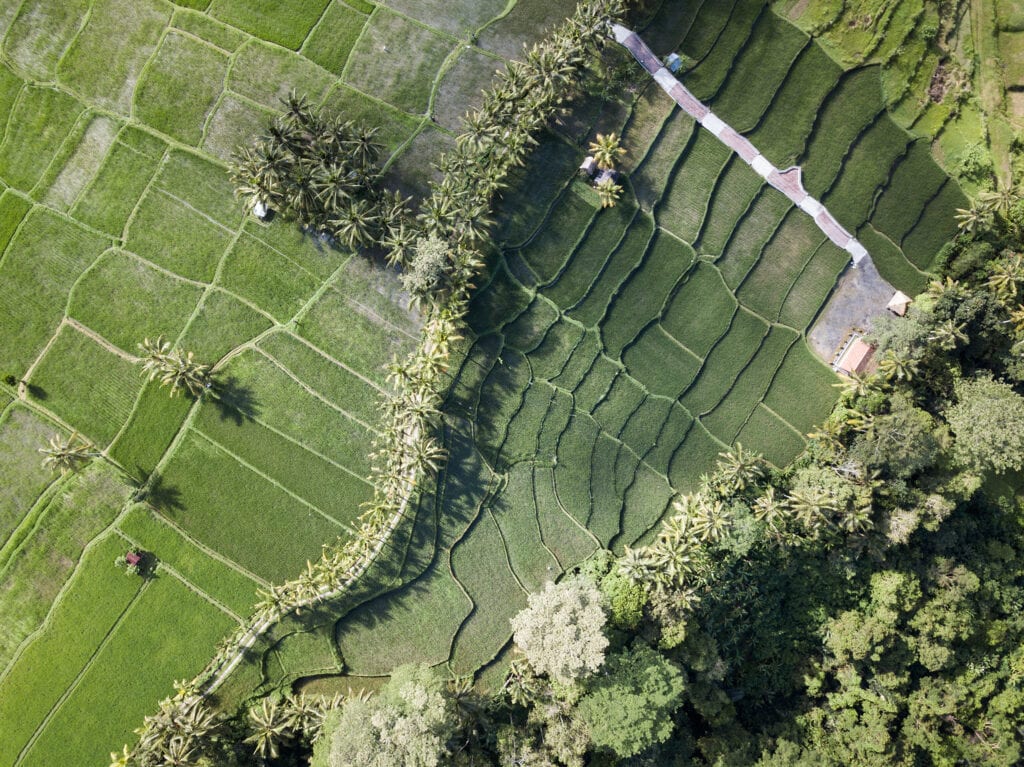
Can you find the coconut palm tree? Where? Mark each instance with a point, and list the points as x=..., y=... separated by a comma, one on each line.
x=270, y=726
x=636, y=565
x=947, y=335
x=608, y=192
x=1017, y=319
x=897, y=367
x=739, y=468
x=968, y=220
x=297, y=110
x=606, y=150
x=767, y=507
x=857, y=385
x=175, y=368
x=356, y=224
x=948, y=287
x=521, y=684
x=1000, y=201
x=711, y=520
x=811, y=508
x=332, y=185
x=856, y=520
x=67, y=455
x=1006, y=274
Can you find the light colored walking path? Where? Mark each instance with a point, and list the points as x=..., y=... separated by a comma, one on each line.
x=787, y=181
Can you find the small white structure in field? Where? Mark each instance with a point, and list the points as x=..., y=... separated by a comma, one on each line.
x=673, y=62
x=260, y=209
x=589, y=167
x=608, y=173
x=898, y=303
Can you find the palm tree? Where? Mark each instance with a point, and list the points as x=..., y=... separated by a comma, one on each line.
x=940, y=288
x=1006, y=274
x=711, y=520
x=948, y=334
x=297, y=110
x=636, y=565
x=811, y=507
x=608, y=192
x=738, y=468
x=175, y=368
x=521, y=684
x=856, y=520
x=1000, y=201
x=365, y=150
x=895, y=366
x=303, y=715
x=1017, y=319
x=123, y=759
x=857, y=385
x=356, y=224
x=606, y=150
x=768, y=508
x=970, y=219
x=332, y=185
x=828, y=435
x=67, y=455
x=179, y=752
x=270, y=724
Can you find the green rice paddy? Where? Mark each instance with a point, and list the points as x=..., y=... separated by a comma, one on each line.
x=612, y=354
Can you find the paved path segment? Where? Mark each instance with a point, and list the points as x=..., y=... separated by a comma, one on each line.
x=786, y=181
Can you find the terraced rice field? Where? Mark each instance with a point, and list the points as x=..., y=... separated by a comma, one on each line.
x=118, y=222
x=615, y=353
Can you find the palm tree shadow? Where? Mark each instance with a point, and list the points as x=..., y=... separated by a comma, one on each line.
x=158, y=494
x=235, y=401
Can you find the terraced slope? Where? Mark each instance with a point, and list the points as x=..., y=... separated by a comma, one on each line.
x=615, y=353
x=117, y=222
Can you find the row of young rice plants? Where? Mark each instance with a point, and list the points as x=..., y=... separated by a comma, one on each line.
x=759, y=71
x=734, y=22
x=783, y=258
x=44, y=550
x=73, y=733
x=89, y=609
x=22, y=475
x=642, y=296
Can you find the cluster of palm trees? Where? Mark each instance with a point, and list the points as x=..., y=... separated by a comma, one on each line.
x=999, y=206
x=276, y=721
x=175, y=368
x=678, y=559
x=320, y=171
x=185, y=731
x=606, y=149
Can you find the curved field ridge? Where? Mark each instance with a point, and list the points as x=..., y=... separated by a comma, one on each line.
x=787, y=181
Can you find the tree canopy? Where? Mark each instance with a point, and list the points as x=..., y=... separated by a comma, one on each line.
x=561, y=630
x=408, y=723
